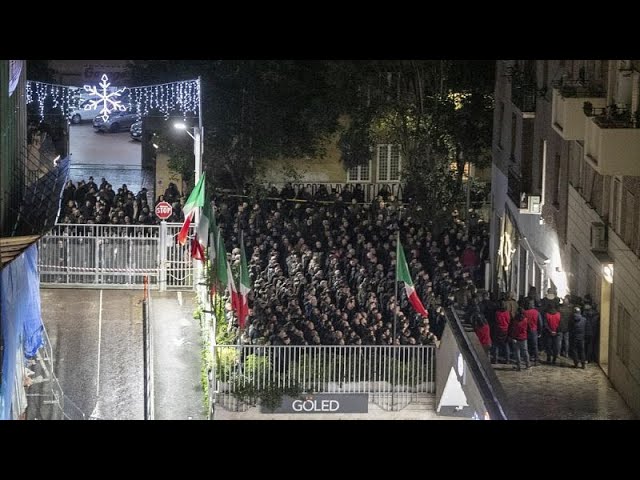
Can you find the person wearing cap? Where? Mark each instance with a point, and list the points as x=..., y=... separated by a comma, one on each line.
x=577, y=328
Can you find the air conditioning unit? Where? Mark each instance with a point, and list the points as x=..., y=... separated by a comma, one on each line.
x=532, y=205
x=598, y=237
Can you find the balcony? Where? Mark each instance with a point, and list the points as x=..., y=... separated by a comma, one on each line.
x=519, y=193
x=567, y=110
x=523, y=90
x=612, y=142
x=523, y=96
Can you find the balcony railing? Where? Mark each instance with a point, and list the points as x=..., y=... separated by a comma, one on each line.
x=612, y=142
x=568, y=107
x=514, y=187
x=523, y=96
x=613, y=116
x=572, y=88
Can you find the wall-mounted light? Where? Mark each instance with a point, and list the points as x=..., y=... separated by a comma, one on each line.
x=607, y=272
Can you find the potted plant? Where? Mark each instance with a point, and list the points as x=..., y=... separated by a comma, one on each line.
x=588, y=109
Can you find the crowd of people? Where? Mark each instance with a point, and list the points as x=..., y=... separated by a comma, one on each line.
x=323, y=272
x=88, y=203
x=517, y=331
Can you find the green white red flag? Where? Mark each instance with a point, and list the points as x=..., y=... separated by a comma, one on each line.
x=201, y=241
x=245, y=287
x=195, y=200
x=403, y=275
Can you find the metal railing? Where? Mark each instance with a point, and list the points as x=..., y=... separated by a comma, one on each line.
x=49, y=402
x=392, y=376
x=576, y=88
x=370, y=190
x=113, y=256
x=147, y=354
x=483, y=376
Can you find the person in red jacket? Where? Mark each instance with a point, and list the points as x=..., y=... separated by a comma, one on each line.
x=551, y=325
x=501, y=333
x=481, y=327
x=534, y=319
x=518, y=333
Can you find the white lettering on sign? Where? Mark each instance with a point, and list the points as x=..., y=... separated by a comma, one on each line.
x=163, y=210
x=315, y=405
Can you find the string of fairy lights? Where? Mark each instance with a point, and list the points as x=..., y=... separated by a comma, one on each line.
x=163, y=99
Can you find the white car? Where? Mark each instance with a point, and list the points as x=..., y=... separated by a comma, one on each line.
x=80, y=114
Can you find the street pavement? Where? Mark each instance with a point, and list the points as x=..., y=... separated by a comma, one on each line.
x=114, y=156
x=96, y=337
x=561, y=392
x=177, y=362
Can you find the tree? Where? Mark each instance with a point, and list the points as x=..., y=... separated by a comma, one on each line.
x=439, y=112
x=254, y=111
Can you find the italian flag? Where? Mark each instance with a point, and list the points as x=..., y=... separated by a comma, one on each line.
x=245, y=287
x=200, y=242
x=195, y=200
x=235, y=297
x=221, y=262
x=403, y=275
x=225, y=274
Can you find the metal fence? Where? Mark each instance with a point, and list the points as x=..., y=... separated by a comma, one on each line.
x=47, y=400
x=112, y=256
x=147, y=355
x=370, y=190
x=392, y=376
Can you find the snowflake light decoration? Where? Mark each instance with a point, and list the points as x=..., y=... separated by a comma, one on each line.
x=109, y=101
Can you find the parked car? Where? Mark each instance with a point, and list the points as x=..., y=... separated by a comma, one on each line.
x=80, y=114
x=136, y=131
x=117, y=121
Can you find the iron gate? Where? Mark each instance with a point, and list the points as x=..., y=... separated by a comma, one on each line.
x=115, y=256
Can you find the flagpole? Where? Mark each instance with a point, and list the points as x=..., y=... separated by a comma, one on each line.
x=395, y=310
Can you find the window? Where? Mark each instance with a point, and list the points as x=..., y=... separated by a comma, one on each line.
x=614, y=219
x=627, y=220
x=575, y=269
x=361, y=173
x=389, y=163
x=623, y=334
x=557, y=182
x=575, y=164
x=500, y=123
x=514, y=131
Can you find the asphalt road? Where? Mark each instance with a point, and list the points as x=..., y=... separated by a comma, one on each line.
x=113, y=156
x=176, y=353
x=96, y=336
x=88, y=147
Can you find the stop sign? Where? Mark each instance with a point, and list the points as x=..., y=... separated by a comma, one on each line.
x=163, y=210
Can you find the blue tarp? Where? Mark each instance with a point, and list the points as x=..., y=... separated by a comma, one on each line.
x=21, y=318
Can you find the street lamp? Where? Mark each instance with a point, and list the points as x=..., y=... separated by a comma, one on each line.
x=197, y=152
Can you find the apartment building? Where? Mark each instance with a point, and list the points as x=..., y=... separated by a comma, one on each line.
x=566, y=194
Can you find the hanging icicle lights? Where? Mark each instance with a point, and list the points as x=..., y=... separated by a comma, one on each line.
x=62, y=96
x=182, y=97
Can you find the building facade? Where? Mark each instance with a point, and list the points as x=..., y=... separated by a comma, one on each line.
x=566, y=194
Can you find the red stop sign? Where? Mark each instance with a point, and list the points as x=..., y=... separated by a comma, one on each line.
x=163, y=210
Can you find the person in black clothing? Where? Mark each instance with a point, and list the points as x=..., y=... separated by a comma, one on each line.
x=566, y=312
x=577, y=328
x=549, y=301
x=592, y=333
